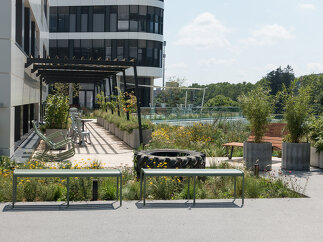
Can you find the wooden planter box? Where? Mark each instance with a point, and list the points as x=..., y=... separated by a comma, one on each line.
x=316, y=158
x=296, y=156
x=257, y=151
x=57, y=139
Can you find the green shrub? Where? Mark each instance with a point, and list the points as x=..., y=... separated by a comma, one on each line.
x=257, y=106
x=316, y=132
x=57, y=110
x=296, y=111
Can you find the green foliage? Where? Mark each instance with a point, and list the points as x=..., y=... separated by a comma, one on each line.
x=102, y=101
x=221, y=101
x=316, y=132
x=316, y=82
x=207, y=138
x=54, y=189
x=57, y=108
x=257, y=106
x=297, y=110
x=122, y=122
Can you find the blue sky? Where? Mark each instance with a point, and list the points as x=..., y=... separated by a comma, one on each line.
x=212, y=41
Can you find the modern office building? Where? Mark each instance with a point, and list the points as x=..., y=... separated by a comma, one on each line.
x=110, y=29
x=23, y=33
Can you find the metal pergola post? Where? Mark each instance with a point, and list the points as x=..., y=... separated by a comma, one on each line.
x=110, y=93
x=40, y=99
x=125, y=89
x=138, y=104
x=115, y=88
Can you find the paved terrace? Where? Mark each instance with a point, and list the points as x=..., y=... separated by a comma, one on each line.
x=111, y=151
x=209, y=220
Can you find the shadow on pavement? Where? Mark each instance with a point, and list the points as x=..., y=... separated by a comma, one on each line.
x=59, y=207
x=189, y=205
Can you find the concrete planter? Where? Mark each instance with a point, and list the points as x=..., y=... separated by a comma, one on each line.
x=106, y=124
x=111, y=128
x=134, y=141
x=118, y=133
x=296, y=156
x=257, y=151
x=316, y=158
x=126, y=137
x=57, y=139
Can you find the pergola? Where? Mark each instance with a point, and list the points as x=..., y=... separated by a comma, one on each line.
x=64, y=70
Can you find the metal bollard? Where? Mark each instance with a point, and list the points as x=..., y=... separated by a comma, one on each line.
x=257, y=169
x=95, y=187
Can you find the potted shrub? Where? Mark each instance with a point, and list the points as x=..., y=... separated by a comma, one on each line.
x=296, y=152
x=316, y=136
x=56, y=118
x=257, y=106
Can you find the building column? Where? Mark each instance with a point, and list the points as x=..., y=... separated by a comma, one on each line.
x=7, y=121
x=152, y=82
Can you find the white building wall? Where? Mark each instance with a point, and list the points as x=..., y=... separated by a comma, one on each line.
x=18, y=86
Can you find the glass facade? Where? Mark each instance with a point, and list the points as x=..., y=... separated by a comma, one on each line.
x=114, y=18
x=146, y=52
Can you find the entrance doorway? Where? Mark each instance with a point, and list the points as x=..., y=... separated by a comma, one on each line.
x=86, y=98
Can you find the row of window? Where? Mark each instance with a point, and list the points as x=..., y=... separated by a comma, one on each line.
x=115, y=18
x=146, y=52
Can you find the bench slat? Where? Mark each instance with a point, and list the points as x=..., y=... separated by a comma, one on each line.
x=66, y=173
x=192, y=172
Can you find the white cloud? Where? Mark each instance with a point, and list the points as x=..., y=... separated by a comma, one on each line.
x=268, y=35
x=307, y=6
x=204, y=32
x=214, y=61
x=315, y=67
x=180, y=65
x=270, y=67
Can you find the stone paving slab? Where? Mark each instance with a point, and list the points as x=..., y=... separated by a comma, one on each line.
x=209, y=220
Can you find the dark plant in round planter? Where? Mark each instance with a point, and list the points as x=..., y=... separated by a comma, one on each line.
x=257, y=106
x=297, y=111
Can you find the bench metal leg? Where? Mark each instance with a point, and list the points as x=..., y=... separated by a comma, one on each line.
x=144, y=190
x=121, y=190
x=140, y=196
x=68, y=191
x=242, y=190
x=194, y=188
x=188, y=188
x=14, y=191
x=231, y=153
x=117, y=195
x=235, y=187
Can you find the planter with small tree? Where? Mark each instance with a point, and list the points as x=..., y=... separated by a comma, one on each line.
x=316, y=136
x=297, y=111
x=257, y=106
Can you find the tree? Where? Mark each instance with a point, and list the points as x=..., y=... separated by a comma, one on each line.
x=221, y=101
x=276, y=81
x=174, y=95
x=278, y=78
x=316, y=92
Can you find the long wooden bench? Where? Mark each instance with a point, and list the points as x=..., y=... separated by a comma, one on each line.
x=273, y=135
x=66, y=173
x=190, y=173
